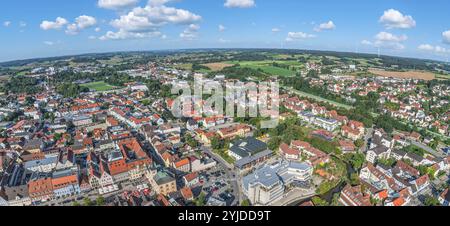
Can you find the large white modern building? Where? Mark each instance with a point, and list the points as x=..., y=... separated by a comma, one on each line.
x=267, y=184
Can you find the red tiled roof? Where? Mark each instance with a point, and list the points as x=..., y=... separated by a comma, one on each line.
x=191, y=176
x=182, y=162
x=187, y=194
x=287, y=150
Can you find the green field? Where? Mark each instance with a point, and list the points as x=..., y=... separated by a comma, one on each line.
x=442, y=77
x=317, y=98
x=99, y=86
x=267, y=67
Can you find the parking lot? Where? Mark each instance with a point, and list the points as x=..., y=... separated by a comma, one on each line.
x=217, y=184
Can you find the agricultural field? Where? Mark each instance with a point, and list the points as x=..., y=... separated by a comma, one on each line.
x=187, y=67
x=217, y=66
x=99, y=86
x=267, y=66
x=404, y=75
x=442, y=77
x=113, y=61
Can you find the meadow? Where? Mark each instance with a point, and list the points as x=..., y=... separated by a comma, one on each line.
x=269, y=68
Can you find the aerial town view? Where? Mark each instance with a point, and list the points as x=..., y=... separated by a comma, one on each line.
x=224, y=103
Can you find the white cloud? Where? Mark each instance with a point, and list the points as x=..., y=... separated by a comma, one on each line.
x=434, y=49
x=446, y=36
x=394, y=19
x=150, y=17
x=388, y=37
x=366, y=42
x=22, y=24
x=81, y=23
x=191, y=32
x=325, y=26
x=275, y=30
x=387, y=40
x=294, y=36
x=439, y=49
x=143, y=22
x=239, y=3
x=222, y=28
x=7, y=23
x=55, y=25
x=116, y=4
x=49, y=43
x=121, y=35
x=426, y=47
x=98, y=29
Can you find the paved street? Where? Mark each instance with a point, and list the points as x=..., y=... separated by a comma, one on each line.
x=428, y=149
x=367, y=137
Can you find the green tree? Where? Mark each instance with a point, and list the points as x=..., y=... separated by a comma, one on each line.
x=216, y=143
x=100, y=201
x=87, y=202
x=359, y=143
x=431, y=201
x=319, y=202
x=357, y=160
x=245, y=202
x=191, y=141
x=354, y=179
x=200, y=200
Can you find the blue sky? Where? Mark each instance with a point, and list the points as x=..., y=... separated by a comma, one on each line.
x=412, y=28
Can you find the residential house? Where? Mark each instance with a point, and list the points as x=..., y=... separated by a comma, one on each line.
x=353, y=196
x=191, y=180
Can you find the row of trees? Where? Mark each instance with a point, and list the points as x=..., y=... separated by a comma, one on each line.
x=22, y=84
x=70, y=89
x=100, y=201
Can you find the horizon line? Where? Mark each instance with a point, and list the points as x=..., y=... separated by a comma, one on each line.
x=209, y=48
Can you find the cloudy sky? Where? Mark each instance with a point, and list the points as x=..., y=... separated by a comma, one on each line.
x=412, y=28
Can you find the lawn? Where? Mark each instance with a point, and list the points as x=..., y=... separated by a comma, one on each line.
x=99, y=86
x=223, y=153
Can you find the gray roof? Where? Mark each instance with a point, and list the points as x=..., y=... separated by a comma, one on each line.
x=63, y=173
x=248, y=147
x=115, y=155
x=163, y=178
x=415, y=157
x=33, y=144
x=244, y=161
x=266, y=176
x=380, y=149
x=399, y=152
x=46, y=161
x=274, y=174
